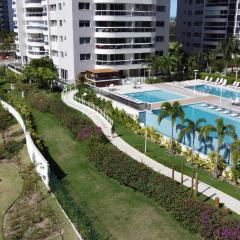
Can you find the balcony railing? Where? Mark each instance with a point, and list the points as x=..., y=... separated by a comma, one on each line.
x=38, y=40
x=123, y=13
x=119, y=62
x=41, y=53
x=122, y=46
x=124, y=29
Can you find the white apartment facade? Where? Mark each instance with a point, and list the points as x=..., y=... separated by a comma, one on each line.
x=91, y=34
x=203, y=24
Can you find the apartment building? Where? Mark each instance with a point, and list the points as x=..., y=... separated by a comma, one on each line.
x=202, y=24
x=82, y=35
x=6, y=22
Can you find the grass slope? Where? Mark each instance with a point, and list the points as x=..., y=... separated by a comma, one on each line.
x=119, y=210
x=10, y=188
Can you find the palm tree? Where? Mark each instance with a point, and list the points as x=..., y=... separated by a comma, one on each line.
x=191, y=128
x=173, y=111
x=222, y=131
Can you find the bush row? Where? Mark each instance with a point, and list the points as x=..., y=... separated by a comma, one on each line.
x=230, y=77
x=194, y=215
x=77, y=215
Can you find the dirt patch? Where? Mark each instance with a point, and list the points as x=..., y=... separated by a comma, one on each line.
x=30, y=218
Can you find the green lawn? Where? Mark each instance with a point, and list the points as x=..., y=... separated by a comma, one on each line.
x=116, y=210
x=10, y=188
x=161, y=155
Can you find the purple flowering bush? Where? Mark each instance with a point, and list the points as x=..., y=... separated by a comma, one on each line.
x=196, y=216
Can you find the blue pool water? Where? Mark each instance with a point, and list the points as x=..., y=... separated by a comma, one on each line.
x=216, y=91
x=194, y=112
x=155, y=96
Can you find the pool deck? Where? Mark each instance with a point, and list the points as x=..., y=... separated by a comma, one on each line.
x=178, y=88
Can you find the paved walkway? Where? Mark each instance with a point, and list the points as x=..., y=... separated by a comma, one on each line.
x=100, y=121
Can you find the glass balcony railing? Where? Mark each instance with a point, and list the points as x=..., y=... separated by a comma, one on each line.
x=123, y=46
x=123, y=13
x=127, y=29
x=119, y=62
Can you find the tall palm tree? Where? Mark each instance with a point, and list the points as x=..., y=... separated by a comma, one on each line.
x=173, y=111
x=222, y=131
x=191, y=127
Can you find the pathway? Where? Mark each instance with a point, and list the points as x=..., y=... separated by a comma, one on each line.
x=100, y=121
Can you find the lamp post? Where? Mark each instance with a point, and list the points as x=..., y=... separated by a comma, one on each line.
x=183, y=73
x=195, y=75
x=145, y=145
x=83, y=95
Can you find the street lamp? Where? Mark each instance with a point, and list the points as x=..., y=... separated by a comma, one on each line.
x=149, y=72
x=195, y=74
x=145, y=147
x=183, y=72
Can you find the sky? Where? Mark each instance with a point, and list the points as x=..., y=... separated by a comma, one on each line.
x=173, y=8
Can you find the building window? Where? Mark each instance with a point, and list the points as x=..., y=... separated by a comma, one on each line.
x=161, y=8
x=63, y=74
x=83, y=6
x=59, y=6
x=84, y=40
x=85, y=57
x=159, y=53
x=60, y=23
x=159, y=38
x=84, y=23
x=160, y=23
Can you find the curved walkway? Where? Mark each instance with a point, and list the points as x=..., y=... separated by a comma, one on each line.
x=100, y=121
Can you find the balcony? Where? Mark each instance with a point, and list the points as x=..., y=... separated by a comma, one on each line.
x=119, y=62
x=124, y=29
x=124, y=13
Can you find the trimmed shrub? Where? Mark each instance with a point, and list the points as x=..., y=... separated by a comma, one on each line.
x=194, y=215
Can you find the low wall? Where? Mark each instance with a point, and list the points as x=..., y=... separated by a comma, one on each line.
x=41, y=164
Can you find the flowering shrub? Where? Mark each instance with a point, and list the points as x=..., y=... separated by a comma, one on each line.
x=88, y=132
x=198, y=217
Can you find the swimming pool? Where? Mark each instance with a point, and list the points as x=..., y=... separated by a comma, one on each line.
x=194, y=112
x=216, y=91
x=155, y=96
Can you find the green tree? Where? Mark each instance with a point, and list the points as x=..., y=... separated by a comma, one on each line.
x=191, y=127
x=5, y=123
x=173, y=111
x=222, y=131
x=235, y=152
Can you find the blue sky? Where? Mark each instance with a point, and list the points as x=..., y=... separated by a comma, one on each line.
x=173, y=8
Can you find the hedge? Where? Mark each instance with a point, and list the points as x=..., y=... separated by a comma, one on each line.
x=196, y=216
x=77, y=215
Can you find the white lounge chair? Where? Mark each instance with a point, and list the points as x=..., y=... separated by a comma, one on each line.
x=224, y=82
x=206, y=79
x=220, y=81
x=210, y=80
x=226, y=112
x=211, y=107
x=234, y=84
x=237, y=85
x=234, y=114
x=217, y=81
x=219, y=109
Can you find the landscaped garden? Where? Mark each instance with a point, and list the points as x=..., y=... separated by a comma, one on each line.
x=27, y=210
x=87, y=160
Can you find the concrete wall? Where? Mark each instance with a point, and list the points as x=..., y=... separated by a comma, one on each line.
x=41, y=164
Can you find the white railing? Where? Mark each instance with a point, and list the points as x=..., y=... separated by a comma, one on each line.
x=94, y=107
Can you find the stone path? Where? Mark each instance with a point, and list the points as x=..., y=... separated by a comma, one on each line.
x=100, y=121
